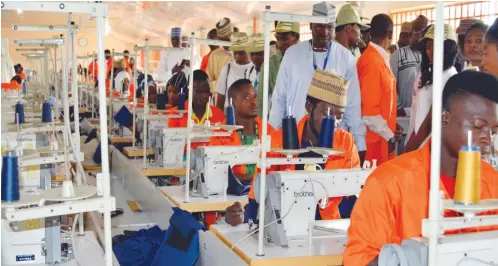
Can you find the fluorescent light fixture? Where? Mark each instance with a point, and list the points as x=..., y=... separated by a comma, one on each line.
x=19, y=11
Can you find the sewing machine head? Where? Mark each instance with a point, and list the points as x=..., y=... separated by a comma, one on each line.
x=211, y=166
x=293, y=196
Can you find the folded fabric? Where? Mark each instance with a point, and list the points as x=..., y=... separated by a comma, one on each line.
x=124, y=117
x=378, y=125
x=137, y=248
x=235, y=187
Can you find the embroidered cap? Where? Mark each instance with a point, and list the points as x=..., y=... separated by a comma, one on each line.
x=284, y=26
x=239, y=41
x=325, y=10
x=329, y=87
x=176, y=32
x=406, y=27
x=256, y=43
x=224, y=28
x=350, y=14
x=449, y=33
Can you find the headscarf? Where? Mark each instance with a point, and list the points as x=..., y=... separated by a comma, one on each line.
x=179, y=80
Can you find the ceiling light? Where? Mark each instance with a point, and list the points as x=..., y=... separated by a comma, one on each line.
x=19, y=11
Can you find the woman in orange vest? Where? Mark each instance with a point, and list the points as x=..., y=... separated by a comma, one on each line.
x=378, y=89
x=394, y=200
x=321, y=99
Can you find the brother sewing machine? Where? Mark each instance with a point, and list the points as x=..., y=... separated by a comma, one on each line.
x=293, y=196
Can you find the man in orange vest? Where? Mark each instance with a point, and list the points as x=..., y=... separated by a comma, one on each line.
x=395, y=198
x=378, y=90
x=245, y=104
x=324, y=96
x=201, y=94
x=205, y=60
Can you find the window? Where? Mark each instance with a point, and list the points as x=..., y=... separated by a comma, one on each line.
x=453, y=13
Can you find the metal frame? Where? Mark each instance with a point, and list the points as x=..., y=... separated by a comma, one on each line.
x=54, y=28
x=58, y=41
x=106, y=203
x=193, y=41
x=268, y=19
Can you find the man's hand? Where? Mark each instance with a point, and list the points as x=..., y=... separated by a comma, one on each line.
x=398, y=134
x=391, y=146
x=401, y=112
x=235, y=214
x=177, y=68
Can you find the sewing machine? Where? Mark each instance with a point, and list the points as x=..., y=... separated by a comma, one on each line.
x=211, y=165
x=292, y=198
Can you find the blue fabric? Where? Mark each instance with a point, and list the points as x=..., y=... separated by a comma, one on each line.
x=97, y=155
x=124, y=117
x=251, y=211
x=180, y=246
x=138, y=249
x=235, y=187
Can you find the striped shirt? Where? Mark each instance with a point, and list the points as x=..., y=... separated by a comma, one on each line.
x=405, y=64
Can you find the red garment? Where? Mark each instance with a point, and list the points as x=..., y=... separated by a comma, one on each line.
x=93, y=70
x=205, y=61
x=449, y=184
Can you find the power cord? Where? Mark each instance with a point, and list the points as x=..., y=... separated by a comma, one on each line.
x=276, y=221
x=73, y=234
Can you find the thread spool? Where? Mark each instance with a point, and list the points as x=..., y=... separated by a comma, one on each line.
x=468, y=179
x=327, y=131
x=10, y=177
x=181, y=101
x=46, y=112
x=19, y=113
x=230, y=114
x=162, y=99
x=289, y=128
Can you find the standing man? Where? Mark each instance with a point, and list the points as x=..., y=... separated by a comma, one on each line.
x=405, y=64
x=222, y=55
x=126, y=56
x=405, y=36
x=172, y=60
x=298, y=67
x=349, y=27
x=378, y=90
x=240, y=68
x=212, y=36
x=256, y=50
x=287, y=34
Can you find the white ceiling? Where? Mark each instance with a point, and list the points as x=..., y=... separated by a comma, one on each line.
x=133, y=21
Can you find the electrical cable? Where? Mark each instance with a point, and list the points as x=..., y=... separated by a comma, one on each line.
x=73, y=234
x=273, y=222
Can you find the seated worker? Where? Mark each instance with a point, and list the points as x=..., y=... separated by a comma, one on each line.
x=201, y=94
x=319, y=100
x=141, y=90
x=121, y=78
x=395, y=198
x=245, y=104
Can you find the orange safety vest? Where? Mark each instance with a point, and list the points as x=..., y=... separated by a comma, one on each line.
x=343, y=140
x=378, y=97
x=395, y=200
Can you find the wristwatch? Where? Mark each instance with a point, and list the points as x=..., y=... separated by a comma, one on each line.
x=392, y=140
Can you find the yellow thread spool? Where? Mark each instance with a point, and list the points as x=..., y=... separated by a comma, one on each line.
x=468, y=179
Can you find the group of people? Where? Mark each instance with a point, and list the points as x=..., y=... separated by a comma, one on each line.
x=351, y=71
x=354, y=77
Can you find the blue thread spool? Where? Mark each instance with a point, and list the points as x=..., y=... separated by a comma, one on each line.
x=289, y=128
x=162, y=99
x=19, y=113
x=10, y=177
x=230, y=114
x=46, y=112
x=327, y=131
x=181, y=101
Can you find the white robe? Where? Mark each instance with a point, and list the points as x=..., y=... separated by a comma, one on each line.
x=172, y=57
